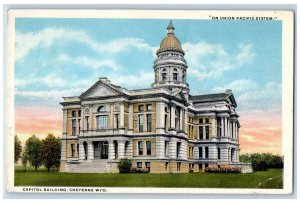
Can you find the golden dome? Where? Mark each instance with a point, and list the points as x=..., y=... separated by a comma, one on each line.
x=170, y=42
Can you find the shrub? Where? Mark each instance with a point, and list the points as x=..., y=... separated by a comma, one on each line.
x=124, y=165
x=261, y=162
x=222, y=169
x=139, y=170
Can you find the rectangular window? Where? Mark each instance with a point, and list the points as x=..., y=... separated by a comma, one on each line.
x=141, y=107
x=140, y=147
x=72, y=150
x=206, y=165
x=164, y=76
x=219, y=125
x=207, y=120
x=139, y=164
x=116, y=120
x=147, y=165
x=141, y=123
x=148, y=147
x=79, y=127
x=166, y=166
x=175, y=76
x=207, y=132
x=200, y=152
x=178, y=166
x=178, y=149
x=87, y=121
x=200, y=120
x=73, y=113
x=148, y=116
x=166, y=148
x=200, y=132
x=79, y=113
x=206, y=152
x=166, y=117
x=149, y=107
x=200, y=167
x=73, y=127
x=102, y=122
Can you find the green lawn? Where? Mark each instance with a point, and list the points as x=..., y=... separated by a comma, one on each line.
x=264, y=179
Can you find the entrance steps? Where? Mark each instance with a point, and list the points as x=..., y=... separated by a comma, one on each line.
x=91, y=166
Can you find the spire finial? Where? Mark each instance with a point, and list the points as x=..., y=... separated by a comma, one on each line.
x=170, y=28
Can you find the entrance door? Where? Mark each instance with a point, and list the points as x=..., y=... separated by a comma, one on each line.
x=104, y=150
x=97, y=150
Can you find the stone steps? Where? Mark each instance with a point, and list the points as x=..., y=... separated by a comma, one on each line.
x=95, y=166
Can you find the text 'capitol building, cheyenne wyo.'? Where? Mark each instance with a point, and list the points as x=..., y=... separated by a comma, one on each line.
x=163, y=128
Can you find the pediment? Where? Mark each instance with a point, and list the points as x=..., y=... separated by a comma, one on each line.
x=100, y=89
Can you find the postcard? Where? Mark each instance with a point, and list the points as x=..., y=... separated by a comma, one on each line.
x=150, y=101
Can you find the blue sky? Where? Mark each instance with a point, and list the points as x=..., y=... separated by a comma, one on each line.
x=64, y=57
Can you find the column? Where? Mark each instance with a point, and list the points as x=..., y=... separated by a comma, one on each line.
x=237, y=155
x=90, y=155
x=121, y=149
x=213, y=152
x=224, y=154
x=213, y=127
x=233, y=130
x=229, y=128
x=203, y=152
x=196, y=152
x=63, y=152
x=111, y=150
x=183, y=150
x=81, y=151
x=122, y=115
x=222, y=126
x=180, y=119
x=226, y=127
x=172, y=116
x=160, y=147
x=185, y=122
x=160, y=118
x=130, y=117
x=65, y=119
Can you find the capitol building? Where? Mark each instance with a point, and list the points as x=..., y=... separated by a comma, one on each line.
x=163, y=128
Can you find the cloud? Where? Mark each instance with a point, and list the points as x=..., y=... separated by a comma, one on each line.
x=133, y=81
x=237, y=86
x=26, y=42
x=212, y=60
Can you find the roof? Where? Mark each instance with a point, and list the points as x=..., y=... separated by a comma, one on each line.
x=213, y=97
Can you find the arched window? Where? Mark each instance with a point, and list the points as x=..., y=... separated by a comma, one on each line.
x=164, y=75
x=101, y=109
x=175, y=74
x=177, y=118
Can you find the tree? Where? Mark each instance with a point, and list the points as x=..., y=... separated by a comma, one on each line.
x=51, y=151
x=125, y=165
x=24, y=159
x=33, y=149
x=18, y=149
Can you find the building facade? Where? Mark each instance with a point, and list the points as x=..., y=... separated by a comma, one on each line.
x=163, y=128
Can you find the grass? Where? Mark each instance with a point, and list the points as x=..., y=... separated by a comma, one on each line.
x=271, y=178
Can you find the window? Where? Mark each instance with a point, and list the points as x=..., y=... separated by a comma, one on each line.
x=139, y=164
x=101, y=109
x=166, y=166
x=207, y=132
x=73, y=113
x=148, y=122
x=206, y=152
x=140, y=123
x=178, y=149
x=164, y=75
x=79, y=127
x=166, y=148
x=73, y=150
x=148, y=147
x=87, y=121
x=219, y=125
x=166, y=118
x=207, y=120
x=140, y=147
x=73, y=127
x=102, y=121
x=200, y=132
x=200, y=167
x=147, y=166
x=200, y=153
x=201, y=120
x=116, y=120
x=183, y=76
x=178, y=166
x=141, y=107
x=79, y=113
x=175, y=75
x=219, y=153
x=148, y=107
x=206, y=165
